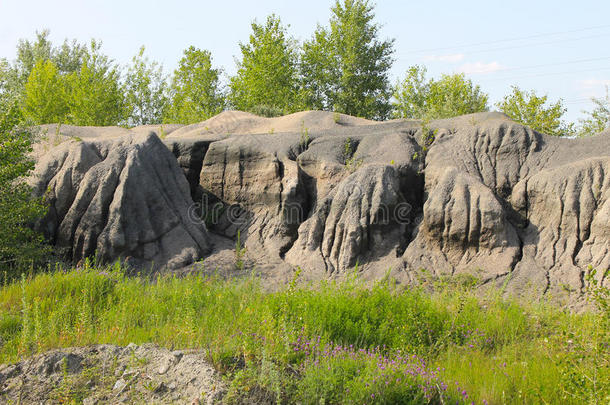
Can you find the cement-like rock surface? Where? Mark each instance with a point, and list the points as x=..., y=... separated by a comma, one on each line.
x=124, y=198
x=478, y=194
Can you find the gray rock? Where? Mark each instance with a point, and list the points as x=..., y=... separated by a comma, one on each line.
x=477, y=194
x=164, y=367
x=89, y=401
x=119, y=385
x=125, y=198
x=192, y=377
x=366, y=214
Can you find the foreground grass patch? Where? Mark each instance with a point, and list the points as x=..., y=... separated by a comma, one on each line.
x=330, y=343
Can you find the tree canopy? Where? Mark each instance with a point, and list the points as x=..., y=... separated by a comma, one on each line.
x=345, y=67
x=450, y=96
x=90, y=95
x=267, y=76
x=45, y=98
x=95, y=93
x=18, y=242
x=536, y=112
x=67, y=58
x=145, y=91
x=196, y=92
x=597, y=120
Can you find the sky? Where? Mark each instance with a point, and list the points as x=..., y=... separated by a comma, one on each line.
x=560, y=48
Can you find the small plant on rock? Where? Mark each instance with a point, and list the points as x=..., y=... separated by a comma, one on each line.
x=240, y=252
x=337, y=118
x=351, y=162
x=304, y=136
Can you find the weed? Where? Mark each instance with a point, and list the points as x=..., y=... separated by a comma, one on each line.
x=337, y=342
x=337, y=118
x=240, y=252
x=580, y=380
x=351, y=162
x=304, y=136
x=58, y=138
x=427, y=136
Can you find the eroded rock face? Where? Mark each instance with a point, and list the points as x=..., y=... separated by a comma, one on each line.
x=507, y=203
x=568, y=223
x=121, y=198
x=477, y=194
x=366, y=216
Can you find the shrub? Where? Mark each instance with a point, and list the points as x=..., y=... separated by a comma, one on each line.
x=19, y=244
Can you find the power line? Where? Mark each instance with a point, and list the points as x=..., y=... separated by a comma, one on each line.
x=583, y=101
x=546, y=65
x=560, y=41
x=578, y=101
x=508, y=39
x=548, y=74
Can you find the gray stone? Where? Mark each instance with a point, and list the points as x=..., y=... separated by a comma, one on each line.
x=478, y=194
x=120, y=199
x=119, y=385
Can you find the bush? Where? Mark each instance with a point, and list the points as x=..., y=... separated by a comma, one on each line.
x=19, y=244
x=536, y=112
x=452, y=95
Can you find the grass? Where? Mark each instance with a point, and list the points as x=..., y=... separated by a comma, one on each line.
x=332, y=342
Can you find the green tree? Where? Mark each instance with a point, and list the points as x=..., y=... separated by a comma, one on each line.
x=13, y=76
x=19, y=244
x=598, y=120
x=412, y=94
x=30, y=53
x=267, y=75
x=146, y=90
x=67, y=58
x=345, y=67
x=70, y=56
x=450, y=96
x=195, y=93
x=536, y=112
x=45, y=99
x=7, y=96
x=94, y=92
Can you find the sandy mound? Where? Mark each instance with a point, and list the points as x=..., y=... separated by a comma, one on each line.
x=238, y=122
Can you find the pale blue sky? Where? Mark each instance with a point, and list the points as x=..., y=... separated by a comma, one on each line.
x=555, y=47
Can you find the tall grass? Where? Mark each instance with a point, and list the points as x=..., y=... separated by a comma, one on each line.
x=329, y=342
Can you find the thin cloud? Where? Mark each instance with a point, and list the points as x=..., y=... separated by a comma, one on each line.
x=480, y=67
x=594, y=83
x=593, y=88
x=452, y=58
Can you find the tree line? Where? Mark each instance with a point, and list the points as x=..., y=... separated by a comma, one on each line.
x=344, y=67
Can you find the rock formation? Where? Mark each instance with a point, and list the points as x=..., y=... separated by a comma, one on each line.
x=477, y=194
x=122, y=198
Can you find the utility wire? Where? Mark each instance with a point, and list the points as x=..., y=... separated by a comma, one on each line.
x=570, y=62
x=560, y=41
x=545, y=74
x=508, y=39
